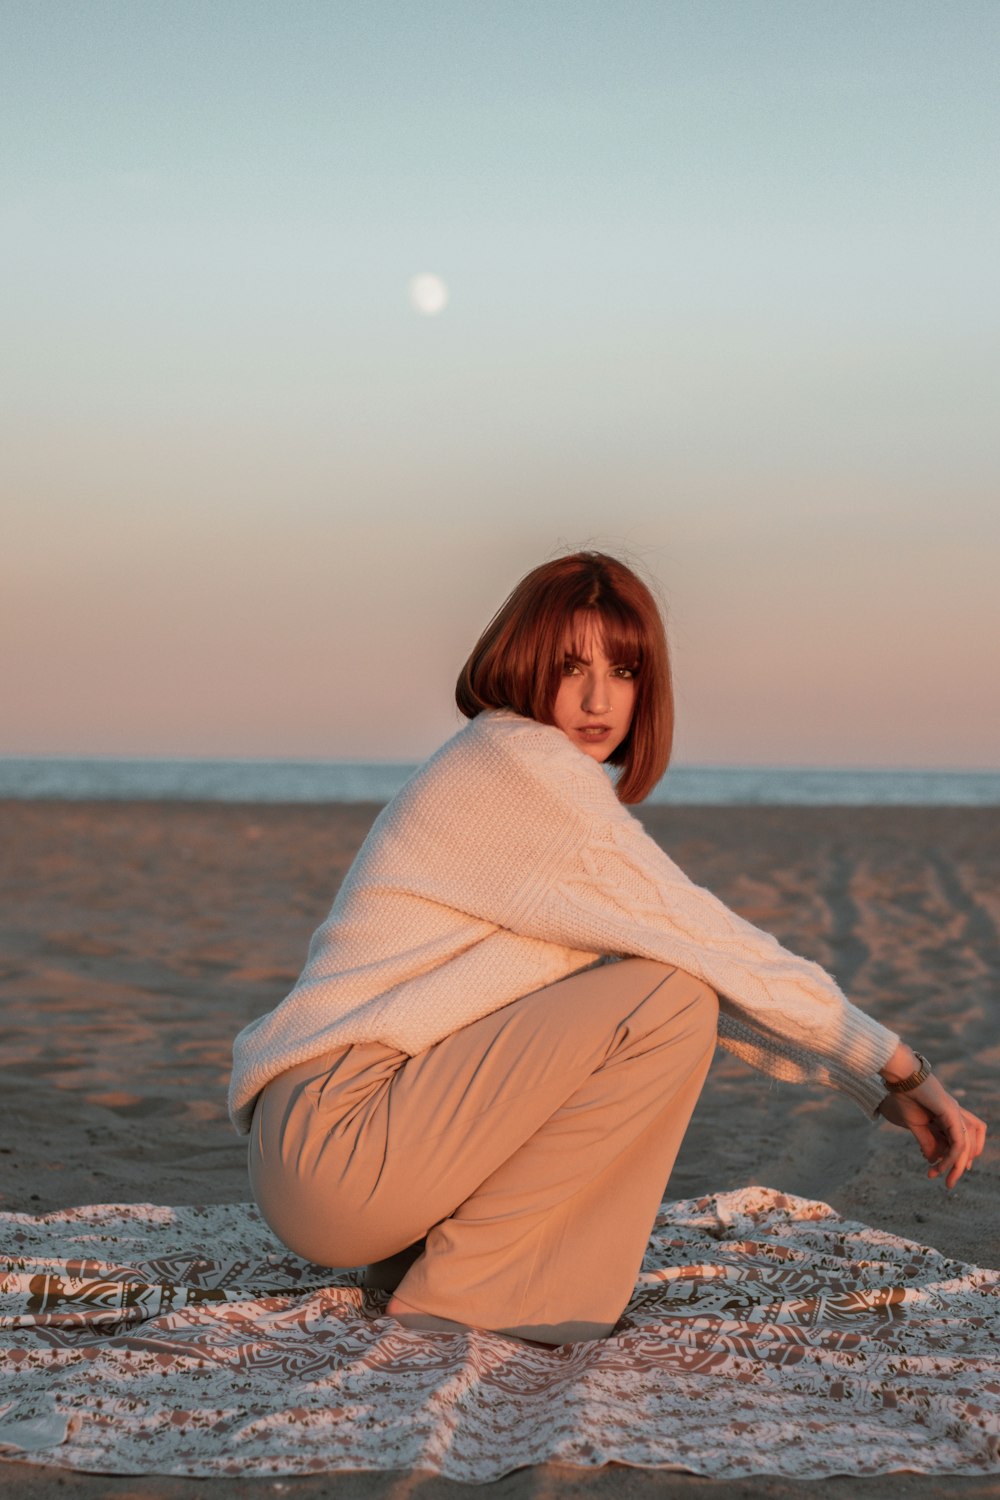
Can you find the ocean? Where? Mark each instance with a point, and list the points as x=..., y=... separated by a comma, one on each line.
x=374, y=781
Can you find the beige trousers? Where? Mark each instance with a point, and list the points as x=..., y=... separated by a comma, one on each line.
x=518, y=1164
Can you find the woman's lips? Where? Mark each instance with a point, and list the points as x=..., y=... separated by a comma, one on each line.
x=594, y=731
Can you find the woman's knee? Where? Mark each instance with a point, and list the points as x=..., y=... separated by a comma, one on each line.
x=708, y=1009
x=707, y=1001
x=641, y=977
x=676, y=992
x=703, y=1004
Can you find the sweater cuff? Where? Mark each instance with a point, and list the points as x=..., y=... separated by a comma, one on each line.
x=868, y=1046
x=867, y=1092
x=864, y=1045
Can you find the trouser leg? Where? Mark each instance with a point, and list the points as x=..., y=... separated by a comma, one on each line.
x=549, y=1245
x=531, y=1149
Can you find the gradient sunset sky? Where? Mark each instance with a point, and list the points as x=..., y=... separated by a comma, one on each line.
x=722, y=299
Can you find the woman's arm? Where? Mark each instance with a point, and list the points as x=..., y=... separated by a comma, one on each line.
x=620, y=893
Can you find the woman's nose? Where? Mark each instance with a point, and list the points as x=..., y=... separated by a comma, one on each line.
x=595, y=698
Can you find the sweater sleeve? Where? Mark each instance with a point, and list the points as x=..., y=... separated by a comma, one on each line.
x=618, y=892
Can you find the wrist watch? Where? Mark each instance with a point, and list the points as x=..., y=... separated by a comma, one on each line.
x=915, y=1079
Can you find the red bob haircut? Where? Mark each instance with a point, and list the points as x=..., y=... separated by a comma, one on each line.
x=517, y=663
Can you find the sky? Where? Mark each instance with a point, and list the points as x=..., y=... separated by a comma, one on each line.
x=722, y=286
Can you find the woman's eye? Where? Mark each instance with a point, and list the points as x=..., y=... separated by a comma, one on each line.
x=569, y=667
x=626, y=672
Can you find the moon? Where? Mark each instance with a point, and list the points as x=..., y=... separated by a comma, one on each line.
x=428, y=294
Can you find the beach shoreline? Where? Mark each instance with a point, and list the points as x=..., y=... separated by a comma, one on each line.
x=139, y=937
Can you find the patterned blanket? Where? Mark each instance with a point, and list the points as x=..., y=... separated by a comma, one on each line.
x=765, y=1335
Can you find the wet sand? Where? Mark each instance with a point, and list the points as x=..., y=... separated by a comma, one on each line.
x=137, y=938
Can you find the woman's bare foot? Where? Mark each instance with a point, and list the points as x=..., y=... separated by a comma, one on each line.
x=412, y=1317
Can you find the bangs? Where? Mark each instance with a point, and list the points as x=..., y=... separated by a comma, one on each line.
x=617, y=631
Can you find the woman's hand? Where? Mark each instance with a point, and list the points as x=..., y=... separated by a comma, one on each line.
x=949, y=1136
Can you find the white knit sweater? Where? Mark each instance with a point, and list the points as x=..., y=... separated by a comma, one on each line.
x=506, y=863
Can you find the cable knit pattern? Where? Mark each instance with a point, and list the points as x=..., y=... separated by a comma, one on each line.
x=506, y=863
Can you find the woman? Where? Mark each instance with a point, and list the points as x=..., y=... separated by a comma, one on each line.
x=462, y=1092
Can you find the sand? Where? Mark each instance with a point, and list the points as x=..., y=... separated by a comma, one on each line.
x=137, y=938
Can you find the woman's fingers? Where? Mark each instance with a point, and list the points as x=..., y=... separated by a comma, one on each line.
x=941, y=1139
x=953, y=1160
x=965, y=1138
x=976, y=1131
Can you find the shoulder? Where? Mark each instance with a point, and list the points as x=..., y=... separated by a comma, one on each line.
x=502, y=730
x=506, y=735
x=500, y=755
x=541, y=758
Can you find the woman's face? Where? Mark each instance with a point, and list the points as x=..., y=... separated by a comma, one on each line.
x=596, y=696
